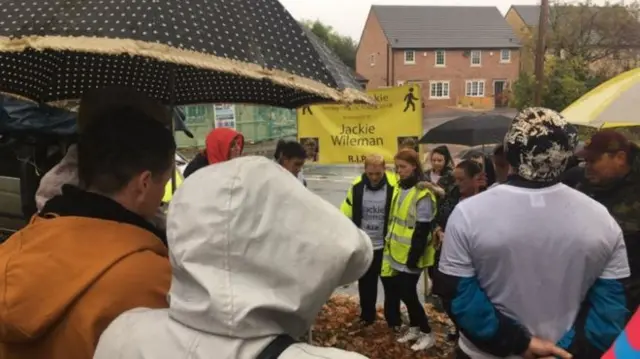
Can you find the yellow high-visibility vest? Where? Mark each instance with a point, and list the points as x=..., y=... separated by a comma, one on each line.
x=168, y=191
x=402, y=224
x=347, y=205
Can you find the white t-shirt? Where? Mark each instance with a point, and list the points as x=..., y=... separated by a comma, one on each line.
x=535, y=252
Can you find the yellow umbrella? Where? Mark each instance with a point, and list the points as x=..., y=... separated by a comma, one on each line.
x=619, y=124
x=613, y=103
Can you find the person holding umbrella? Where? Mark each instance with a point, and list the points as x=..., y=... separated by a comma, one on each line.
x=367, y=204
x=407, y=249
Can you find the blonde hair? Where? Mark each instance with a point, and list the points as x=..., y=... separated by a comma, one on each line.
x=374, y=159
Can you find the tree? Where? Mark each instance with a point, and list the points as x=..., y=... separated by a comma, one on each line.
x=343, y=46
x=566, y=80
x=586, y=44
x=593, y=32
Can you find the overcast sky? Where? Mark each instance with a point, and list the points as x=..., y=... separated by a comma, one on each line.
x=348, y=16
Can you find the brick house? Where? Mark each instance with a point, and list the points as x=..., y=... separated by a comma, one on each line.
x=523, y=19
x=464, y=56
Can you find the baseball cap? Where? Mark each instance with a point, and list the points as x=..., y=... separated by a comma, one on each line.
x=539, y=144
x=605, y=141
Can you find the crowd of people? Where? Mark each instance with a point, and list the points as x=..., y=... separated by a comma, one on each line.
x=532, y=250
x=524, y=264
x=239, y=267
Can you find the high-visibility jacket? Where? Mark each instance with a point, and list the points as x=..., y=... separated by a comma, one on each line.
x=402, y=224
x=347, y=205
x=168, y=190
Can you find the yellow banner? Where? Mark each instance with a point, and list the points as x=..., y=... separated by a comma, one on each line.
x=341, y=134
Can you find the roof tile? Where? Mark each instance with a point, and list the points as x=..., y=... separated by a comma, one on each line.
x=447, y=27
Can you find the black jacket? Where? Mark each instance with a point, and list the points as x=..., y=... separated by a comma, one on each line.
x=198, y=162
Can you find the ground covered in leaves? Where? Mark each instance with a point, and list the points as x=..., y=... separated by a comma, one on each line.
x=337, y=326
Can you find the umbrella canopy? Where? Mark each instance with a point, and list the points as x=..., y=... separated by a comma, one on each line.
x=470, y=130
x=615, y=101
x=200, y=51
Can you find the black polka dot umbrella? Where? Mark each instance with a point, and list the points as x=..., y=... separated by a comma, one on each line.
x=177, y=51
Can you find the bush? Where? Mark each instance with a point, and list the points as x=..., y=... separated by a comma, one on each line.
x=565, y=82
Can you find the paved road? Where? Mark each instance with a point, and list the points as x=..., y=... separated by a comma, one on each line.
x=332, y=183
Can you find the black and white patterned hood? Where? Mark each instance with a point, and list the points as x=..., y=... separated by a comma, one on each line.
x=539, y=144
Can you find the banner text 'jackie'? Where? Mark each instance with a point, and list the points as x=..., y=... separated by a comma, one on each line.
x=342, y=134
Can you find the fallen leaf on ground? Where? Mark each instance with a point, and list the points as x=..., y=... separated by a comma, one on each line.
x=337, y=326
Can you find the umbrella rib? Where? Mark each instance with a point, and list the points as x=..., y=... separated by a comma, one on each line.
x=165, y=53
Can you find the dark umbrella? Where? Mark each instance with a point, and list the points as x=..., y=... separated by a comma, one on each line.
x=200, y=51
x=470, y=130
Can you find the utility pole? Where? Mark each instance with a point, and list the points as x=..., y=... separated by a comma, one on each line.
x=540, y=51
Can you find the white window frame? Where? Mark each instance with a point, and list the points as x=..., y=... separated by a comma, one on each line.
x=479, y=52
x=502, y=59
x=444, y=58
x=411, y=62
x=372, y=60
x=443, y=97
x=400, y=83
x=468, y=88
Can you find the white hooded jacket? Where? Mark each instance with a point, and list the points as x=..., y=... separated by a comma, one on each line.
x=254, y=255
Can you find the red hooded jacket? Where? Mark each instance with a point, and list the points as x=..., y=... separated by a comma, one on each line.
x=218, y=144
x=217, y=149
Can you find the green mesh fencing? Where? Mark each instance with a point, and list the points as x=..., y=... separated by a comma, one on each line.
x=256, y=123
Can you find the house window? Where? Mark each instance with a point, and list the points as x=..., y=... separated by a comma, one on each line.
x=475, y=88
x=409, y=57
x=505, y=55
x=440, y=58
x=439, y=90
x=476, y=57
x=372, y=59
x=400, y=83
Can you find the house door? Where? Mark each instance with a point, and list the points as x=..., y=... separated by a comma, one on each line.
x=499, y=95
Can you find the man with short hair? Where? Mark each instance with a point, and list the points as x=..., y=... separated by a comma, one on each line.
x=291, y=156
x=612, y=177
x=92, y=252
x=368, y=204
x=533, y=268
